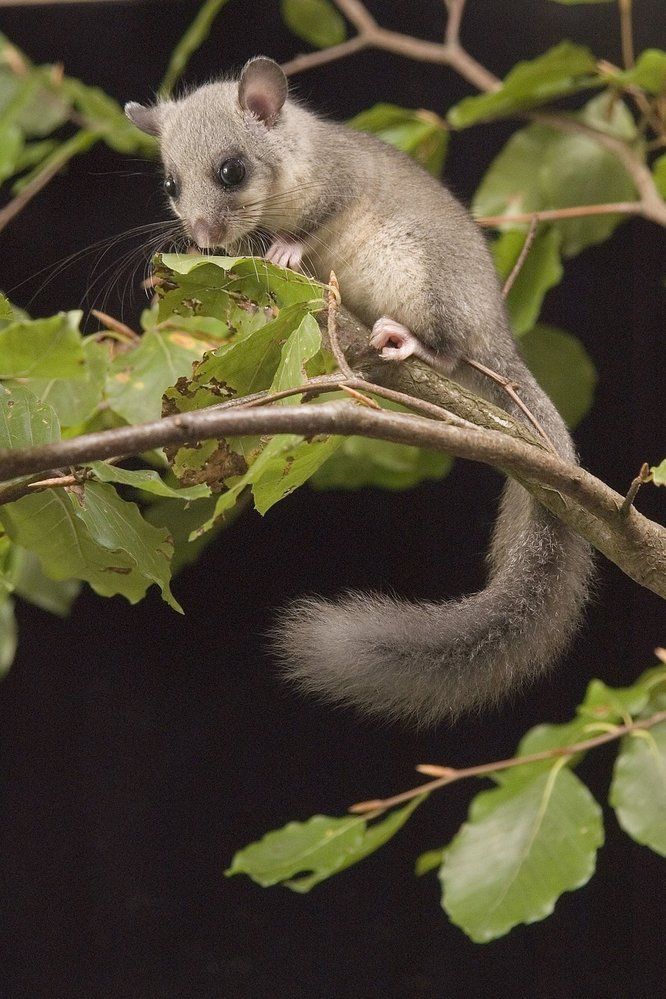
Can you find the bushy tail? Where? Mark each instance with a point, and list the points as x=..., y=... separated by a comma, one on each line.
x=425, y=662
x=430, y=661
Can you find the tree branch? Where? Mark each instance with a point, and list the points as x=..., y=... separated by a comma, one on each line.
x=371, y=35
x=450, y=775
x=635, y=544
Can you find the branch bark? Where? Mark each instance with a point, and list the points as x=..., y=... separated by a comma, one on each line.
x=634, y=543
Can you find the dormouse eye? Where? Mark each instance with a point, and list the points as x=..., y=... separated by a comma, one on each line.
x=171, y=186
x=232, y=172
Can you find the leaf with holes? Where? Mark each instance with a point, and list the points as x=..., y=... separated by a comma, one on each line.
x=118, y=525
x=48, y=523
x=137, y=379
x=24, y=419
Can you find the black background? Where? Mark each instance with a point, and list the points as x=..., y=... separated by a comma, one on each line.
x=140, y=749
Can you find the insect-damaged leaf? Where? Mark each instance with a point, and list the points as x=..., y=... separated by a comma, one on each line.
x=101, y=539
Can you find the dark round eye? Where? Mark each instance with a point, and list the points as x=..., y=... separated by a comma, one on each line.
x=232, y=172
x=171, y=186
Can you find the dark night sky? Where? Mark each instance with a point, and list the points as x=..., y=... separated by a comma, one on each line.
x=140, y=749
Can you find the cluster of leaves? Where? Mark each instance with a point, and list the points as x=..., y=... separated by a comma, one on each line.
x=526, y=841
x=221, y=328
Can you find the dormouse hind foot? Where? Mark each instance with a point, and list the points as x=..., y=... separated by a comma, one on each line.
x=396, y=343
x=285, y=252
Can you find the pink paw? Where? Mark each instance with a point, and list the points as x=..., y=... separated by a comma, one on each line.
x=393, y=340
x=285, y=252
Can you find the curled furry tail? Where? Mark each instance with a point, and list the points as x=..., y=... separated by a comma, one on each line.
x=426, y=662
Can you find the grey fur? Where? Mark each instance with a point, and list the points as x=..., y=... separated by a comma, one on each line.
x=402, y=246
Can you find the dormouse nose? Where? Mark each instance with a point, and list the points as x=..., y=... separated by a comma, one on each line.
x=206, y=234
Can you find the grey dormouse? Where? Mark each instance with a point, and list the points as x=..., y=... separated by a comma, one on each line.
x=245, y=162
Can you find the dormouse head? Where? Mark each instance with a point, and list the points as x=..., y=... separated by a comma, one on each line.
x=222, y=153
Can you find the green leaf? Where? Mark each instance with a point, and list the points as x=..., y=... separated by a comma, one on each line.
x=249, y=364
x=564, y=69
x=659, y=174
x=428, y=861
x=30, y=583
x=361, y=462
x=6, y=311
x=315, y=21
x=547, y=736
x=251, y=287
x=523, y=845
x=578, y=171
x=75, y=400
x=8, y=634
x=137, y=379
x=106, y=117
x=147, y=481
x=194, y=37
x=118, y=525
x=24, y=419
x=540, y=168
x=561, y=365
x=541, y=270
x=43, y=348
x=659, y=473
x=315, y=849
x=286, y=463
x=182, y=521
x=49, y=524
x=11, y=147
x=649, y=72
x=638, y=790
x=421, y=134
x=612, y=705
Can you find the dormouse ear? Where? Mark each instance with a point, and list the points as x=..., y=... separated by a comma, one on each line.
x=262, y=89
x=147, y=119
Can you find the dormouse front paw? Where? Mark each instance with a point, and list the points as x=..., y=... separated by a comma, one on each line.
x=285, y=252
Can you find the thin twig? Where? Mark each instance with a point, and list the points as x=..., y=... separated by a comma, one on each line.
x=452, y=775
x=372, y=35
x=510, y=389
x=78, y=143
x=116, y=326
x=553, y=214
x=640, y=480
x=652, y=205
x=333, y=303
x=627, y=33
x=455, y=9
x=522, y=257
x=331, y=383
